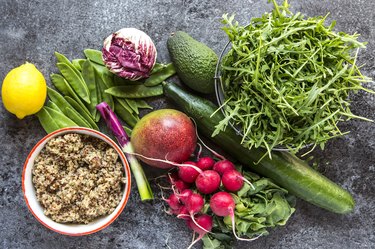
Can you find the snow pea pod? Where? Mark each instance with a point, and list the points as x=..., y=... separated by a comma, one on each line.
x=104, y=73
x=76, y=117
x=133, y=105
x=77, y=63
x=125, y=115
x=62, y=59
x=81, y=111
x=57, y=99
x=61, y=120
x=53, y=106
x=59, y=103
x=47, y=122
x=118, y=81
x=88, y=75
x=142, y=104
x=75, y=80
x=161, y=75
x=124, y=103
x=63, y=86
x=102, y=87
x=94, y=55
x=135, y=91
x=60, y=83
x=127, y=130
x=157, y=67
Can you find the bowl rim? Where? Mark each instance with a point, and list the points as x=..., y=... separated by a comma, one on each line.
x=107, y=140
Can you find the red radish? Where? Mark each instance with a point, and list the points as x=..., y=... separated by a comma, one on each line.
x=177, y=183
x=173, y=177
x=232, y=180
x=205, y=163
x=164, y=134
x=184, y=195
x=183, y=213
x=181, y=185
x=194, y=203
x=223, y=165
x=222, y=204
x=188, y=174
x=208, y=181
x=173, y=202
x=205, y=221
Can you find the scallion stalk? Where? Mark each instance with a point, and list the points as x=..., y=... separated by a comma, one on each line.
x=118, y=131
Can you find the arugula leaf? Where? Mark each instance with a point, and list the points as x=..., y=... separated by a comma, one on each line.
x=287, y=79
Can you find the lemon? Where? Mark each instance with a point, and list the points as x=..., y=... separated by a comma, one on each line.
x=24, y=90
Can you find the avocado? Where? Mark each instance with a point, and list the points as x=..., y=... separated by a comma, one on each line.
x=195, y=63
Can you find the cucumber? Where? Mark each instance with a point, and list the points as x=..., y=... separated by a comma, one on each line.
x=285, y=169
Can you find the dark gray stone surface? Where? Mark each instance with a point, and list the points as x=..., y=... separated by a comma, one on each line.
x=33, y=30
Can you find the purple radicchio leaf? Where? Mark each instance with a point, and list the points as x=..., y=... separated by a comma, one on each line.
x=129, y=53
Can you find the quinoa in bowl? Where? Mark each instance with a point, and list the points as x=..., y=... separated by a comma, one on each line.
x=78, y=178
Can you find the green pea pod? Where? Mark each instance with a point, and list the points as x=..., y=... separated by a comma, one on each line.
x=125, y=115
x=133, y=105
x=135, y=91
x=159, y=76
x=88, y=74
x=47, y=122
x=105, y=74
x=76, y=117
x=75, y=80
x=57, y=99
x=94, y=55
x=81, y=111
x=102, y=87
x=62, y=85
x=127, y=130
x=77, y=63
x=142, y=104
x=53, y=106
x=62, y=59
x=118, y=81
x=124, y=103
x=61, y=120
x=65, y=108
x=157, y=67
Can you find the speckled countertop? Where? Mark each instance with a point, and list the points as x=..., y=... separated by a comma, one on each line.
x=33, y=30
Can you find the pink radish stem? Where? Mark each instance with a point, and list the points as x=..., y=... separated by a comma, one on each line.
x=199, y=151
x=222, y=204
x=248, y=182
x=234, y=230
x=205, y=221
x=167, y=161
x=206, y=146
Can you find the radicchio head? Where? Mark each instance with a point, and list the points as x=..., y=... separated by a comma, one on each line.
x=129, y=53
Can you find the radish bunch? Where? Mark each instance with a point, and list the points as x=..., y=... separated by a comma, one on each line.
x=206, y=179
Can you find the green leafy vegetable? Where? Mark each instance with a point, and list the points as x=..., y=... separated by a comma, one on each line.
x=286, y=79
x=257, y=210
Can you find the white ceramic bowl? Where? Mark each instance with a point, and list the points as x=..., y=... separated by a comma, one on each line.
x=37, y=210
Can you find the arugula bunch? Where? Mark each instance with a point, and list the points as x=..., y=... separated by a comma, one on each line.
x=287, y=79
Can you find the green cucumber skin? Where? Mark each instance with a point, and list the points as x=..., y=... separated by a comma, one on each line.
x=285, y=169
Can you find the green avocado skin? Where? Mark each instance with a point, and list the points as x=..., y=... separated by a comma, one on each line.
x=195, y=63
